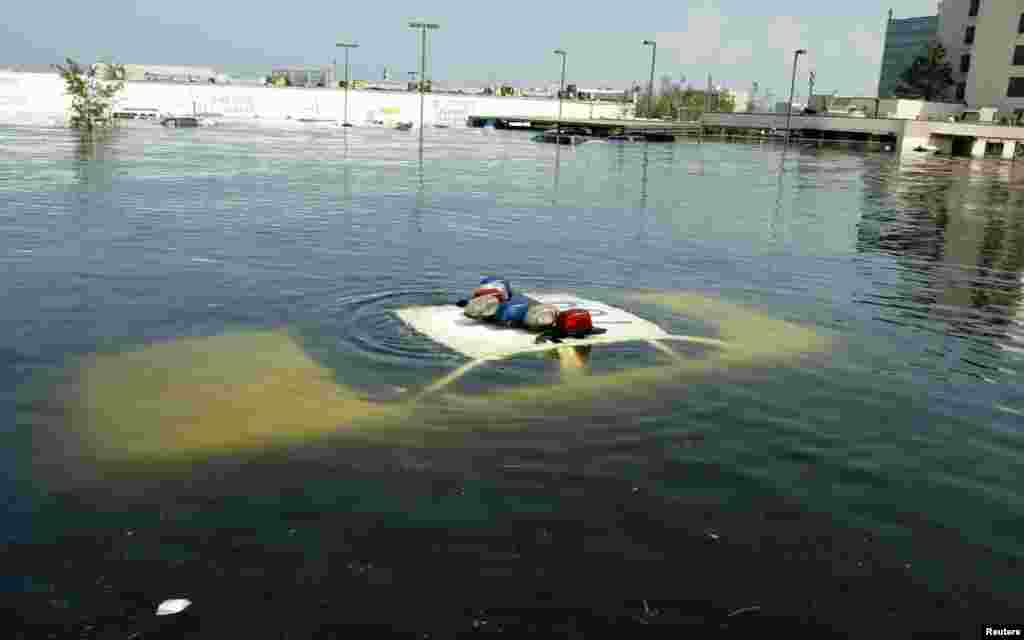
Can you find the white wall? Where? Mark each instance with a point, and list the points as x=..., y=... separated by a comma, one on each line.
x=40, y=97
x=912, y=109
x=992, y=66
x=32, y=98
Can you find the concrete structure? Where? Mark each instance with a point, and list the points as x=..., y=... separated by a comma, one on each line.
x=985, y=42
x=952, y=138
x=604, y=93
x=896, y=108
x=168, y=73
x=39, y=98
x=322, y=77
x=905, y=40
x=653, y=130
x=741, y=99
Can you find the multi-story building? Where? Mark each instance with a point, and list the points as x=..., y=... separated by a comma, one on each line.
x=905, y=40
x=985, y=42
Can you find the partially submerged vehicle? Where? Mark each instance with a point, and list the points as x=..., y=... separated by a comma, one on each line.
x=564, y=135
x=130, y=113
x=255, y=389
x=188, y=121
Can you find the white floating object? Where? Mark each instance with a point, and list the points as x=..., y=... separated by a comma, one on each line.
x=170, y=607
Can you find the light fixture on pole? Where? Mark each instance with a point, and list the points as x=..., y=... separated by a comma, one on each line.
x=346, y=46
x=561, y=92
x=792, y=88
x=650, y=85
x=423, y=27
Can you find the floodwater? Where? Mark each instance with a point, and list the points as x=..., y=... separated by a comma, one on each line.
x=209, y=395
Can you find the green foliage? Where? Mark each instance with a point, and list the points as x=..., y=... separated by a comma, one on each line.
x=687, y=104
x=929, y=77
x=91, y=95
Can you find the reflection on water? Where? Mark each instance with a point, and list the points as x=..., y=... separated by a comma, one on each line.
x=95, y=157
x=201, y=349
x=959, y=242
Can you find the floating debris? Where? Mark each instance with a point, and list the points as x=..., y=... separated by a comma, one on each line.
x=170, y=607
x=750, y=609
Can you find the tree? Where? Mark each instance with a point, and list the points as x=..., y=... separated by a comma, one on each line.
x=929, y=77
x=726, y=101
x=91, y=96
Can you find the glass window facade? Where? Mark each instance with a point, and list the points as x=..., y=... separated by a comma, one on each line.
x=905, y=40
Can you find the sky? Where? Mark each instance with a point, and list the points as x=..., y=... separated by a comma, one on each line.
x=737, y=42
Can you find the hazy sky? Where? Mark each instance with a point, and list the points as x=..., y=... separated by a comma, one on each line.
x=736, y=41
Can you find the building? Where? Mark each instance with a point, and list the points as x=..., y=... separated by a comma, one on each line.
x=604, y=93
x=741, y=100
x=393, y=85
x=905, y=40
x=169, y=73
x=322, y=77
x=985, y=43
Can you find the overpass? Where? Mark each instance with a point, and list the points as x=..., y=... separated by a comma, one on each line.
x=977, y=139
x=602, y=127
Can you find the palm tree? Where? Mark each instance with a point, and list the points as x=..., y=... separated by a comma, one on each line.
x=929, y=77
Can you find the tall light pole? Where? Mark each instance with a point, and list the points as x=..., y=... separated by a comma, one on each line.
x=423, y=27
x=650, y=85
x=346, y=46
x=792, y=88
x=561, y=92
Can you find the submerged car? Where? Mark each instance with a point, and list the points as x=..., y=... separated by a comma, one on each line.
x=254, y=389
x=564, y=135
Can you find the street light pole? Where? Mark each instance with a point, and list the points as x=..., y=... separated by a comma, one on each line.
x=792, y=88
x=650, y=85
x=347, y=46
x=561, y=92
x=423, y=27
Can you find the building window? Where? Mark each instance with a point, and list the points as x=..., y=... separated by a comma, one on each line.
x=975, y=5
x=1020, y=25
x=1018, y=55
x=965, y=62
x=961, y=90
x=1016, y=88
x=969, y=35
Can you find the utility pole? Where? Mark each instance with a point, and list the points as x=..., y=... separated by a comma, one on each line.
x=346, y=46
x=650, y=85
x=423, y=27
x=792, y=88
x=561, y=92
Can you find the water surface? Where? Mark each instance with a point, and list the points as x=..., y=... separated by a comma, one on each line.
x=208, y=391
